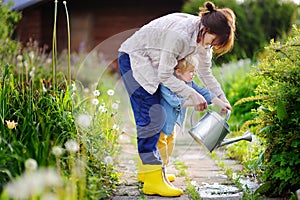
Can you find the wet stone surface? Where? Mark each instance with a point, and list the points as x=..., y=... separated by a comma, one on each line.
x=217, y=191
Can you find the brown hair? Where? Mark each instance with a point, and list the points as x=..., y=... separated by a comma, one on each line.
x=220, y=22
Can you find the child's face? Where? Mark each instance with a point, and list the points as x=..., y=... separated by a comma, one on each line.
x=186, y=76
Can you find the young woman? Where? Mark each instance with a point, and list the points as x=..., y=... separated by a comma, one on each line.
x=149, y=57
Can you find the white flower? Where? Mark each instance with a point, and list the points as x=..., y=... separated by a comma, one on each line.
x=95, y=101
x=31, y=55
x=115, y=127
x=74, y=87
x=31, y=73
x=44, y=88
x=57, y=151
x=84, y=120
x=108, y=160
x=110, y=92
x=102, y=109
x=33, y=184
x=86, y=90
x=19, y=57
x=31, y=164
x=72, y=146
x=51, y=177
x=96, y=93
x=49, y=60
x=115, y=106
x=25, y=63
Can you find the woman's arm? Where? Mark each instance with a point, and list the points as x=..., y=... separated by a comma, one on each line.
x=203, y=69
x=203, y=91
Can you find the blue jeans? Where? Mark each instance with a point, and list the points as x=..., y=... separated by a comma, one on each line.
x=148, y=113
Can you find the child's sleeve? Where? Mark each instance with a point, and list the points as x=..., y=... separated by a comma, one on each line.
x=171, y=98
x=204, y=92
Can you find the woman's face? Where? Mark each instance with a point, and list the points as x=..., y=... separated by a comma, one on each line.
x=208, y=39
x=186, y=76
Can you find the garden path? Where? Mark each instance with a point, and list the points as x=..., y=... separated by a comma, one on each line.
x=201, y=169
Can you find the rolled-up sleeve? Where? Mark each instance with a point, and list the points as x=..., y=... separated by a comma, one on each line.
x=172, y=99
x=204, y=72
x=208, y=96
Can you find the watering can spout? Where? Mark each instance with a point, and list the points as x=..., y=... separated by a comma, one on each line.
x=246, y=136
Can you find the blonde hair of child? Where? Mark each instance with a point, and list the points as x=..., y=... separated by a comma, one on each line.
x=184, y=65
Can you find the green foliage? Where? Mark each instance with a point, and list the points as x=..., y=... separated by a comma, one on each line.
x=8, y=20
x=8, y=47
x=237, y=84
x=98, y=130
x=277, y=118
x=47, y=118
x=257, y=22
x=192, y=191
x=44, y=119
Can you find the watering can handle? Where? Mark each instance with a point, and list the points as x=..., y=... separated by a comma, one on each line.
x=227, y=115
x=191, y=118
x=226, y=118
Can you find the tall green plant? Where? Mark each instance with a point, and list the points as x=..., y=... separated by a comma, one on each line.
x=44, y=119
x=277, y=121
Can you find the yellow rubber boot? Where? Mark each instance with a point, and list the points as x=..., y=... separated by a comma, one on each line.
x=143, y=169
x=165, y=146
x=171, y=144
x=155, y=183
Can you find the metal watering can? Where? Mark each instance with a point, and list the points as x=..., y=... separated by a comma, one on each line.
x=211, y=130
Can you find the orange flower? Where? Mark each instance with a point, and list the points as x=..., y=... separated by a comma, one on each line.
x=11, y=124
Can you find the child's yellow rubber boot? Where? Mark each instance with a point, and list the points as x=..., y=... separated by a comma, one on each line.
x=155, y=183
x=165, y=146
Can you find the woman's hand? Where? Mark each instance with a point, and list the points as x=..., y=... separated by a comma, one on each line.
x=198, y=101
x=227, y=105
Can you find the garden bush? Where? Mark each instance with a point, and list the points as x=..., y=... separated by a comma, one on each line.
x=276, y=119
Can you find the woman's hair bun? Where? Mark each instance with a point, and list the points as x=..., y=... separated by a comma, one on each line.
x=210, y=6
